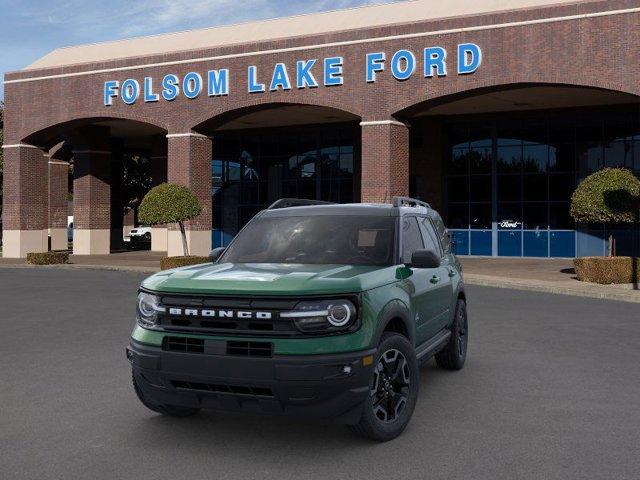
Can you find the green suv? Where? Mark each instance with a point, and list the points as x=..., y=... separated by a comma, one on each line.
x=315, y=310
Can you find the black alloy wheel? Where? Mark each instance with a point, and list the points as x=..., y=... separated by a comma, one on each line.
x=391, y=383
x=393, y=390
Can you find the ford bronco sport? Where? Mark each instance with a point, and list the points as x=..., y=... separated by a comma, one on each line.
x=314, y=310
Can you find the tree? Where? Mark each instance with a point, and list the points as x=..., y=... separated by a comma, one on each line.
x=609, y=196
x=169, y=203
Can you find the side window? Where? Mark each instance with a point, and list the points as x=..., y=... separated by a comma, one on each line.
x=430, y=237
x=443, y=233
x=411, y=238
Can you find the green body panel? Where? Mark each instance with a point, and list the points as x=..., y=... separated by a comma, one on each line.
x=382, y=289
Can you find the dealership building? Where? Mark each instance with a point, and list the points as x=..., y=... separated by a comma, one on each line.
x=490, y=110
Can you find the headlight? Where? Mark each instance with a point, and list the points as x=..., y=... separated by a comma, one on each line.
x=147, y=310
x=323, y=316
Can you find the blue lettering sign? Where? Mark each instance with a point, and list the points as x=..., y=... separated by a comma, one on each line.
x=254, y=86
x=218, y=82
x=110, y=92
x=280, y=78
x=333, y=71
x=192, y=85
x=170, y=87
x=435, y=58
x=375, y=63
x=304, y=76
x=469, y=58
x=149, y=96
x=130, y=91
x=403, y=64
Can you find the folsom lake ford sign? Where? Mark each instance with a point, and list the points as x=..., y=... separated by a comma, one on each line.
x=309, y=73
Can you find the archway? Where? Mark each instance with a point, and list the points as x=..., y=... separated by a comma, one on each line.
x=113, y=163
x=501, y=164
x=266, y=152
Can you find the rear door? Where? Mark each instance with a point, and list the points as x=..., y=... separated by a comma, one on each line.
x=441, y=285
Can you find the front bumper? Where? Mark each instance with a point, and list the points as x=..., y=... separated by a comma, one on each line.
x=312, y=386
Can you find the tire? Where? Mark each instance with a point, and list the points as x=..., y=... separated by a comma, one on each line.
x=454, y=354
x=169, y=410
x=389, y=406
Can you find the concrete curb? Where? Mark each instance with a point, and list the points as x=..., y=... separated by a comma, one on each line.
x=73, y=266
x=604, y=292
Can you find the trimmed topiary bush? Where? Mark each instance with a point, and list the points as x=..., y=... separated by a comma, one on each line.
x=611, y=195
x=607, y=270
x=175, y=262
x=48, y=258
x=170, y=203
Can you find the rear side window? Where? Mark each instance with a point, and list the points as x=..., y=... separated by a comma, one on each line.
x=430, y=237
x=443, y=233
x=411, y=238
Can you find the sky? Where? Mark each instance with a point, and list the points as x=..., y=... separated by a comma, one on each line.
x=30, y=29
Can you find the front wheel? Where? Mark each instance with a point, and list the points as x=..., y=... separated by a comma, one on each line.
x=393, y=390
x=453, y=356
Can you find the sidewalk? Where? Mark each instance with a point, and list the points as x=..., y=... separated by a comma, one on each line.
x=540, y=275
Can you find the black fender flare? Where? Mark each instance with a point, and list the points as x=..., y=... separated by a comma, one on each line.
x=395, y=309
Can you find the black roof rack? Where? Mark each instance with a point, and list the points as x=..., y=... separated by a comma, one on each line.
x=296, y=202
x=409, y=202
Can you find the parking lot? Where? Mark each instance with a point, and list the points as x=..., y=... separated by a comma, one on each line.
x=551, y=390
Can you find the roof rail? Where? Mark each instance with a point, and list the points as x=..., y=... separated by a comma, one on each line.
x=409, y=202
x=296, y=202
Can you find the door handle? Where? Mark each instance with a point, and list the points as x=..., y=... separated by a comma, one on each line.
x=435, y=279
x=452, y=273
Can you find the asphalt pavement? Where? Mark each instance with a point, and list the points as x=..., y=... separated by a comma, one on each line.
x=551, y=390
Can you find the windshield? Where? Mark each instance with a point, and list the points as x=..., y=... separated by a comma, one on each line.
x=318, y=239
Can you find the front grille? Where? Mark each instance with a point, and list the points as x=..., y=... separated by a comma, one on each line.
x=180, y=344
x=225, y=389
x=274, y=326
x=250, y=349
x=222, y=315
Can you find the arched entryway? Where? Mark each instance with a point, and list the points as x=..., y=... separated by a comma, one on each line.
x=263, y=153
x=501, y=164
x=111, y=163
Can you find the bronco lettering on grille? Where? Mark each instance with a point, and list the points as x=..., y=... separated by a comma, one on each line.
x=192, y=312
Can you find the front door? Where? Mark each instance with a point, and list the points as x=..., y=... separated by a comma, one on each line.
x=426, y=284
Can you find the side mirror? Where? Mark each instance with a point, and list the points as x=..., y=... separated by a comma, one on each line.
x=215, y=254
x=425, y=259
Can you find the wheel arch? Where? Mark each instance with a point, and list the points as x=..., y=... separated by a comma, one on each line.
x=395, y=318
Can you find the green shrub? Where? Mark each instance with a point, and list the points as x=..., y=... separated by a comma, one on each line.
x=168, y=263
x=169, y=203
x=48, y=258
x=607, y=270
x=610, y=195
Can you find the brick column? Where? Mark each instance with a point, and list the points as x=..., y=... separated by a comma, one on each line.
x=385, y=160
x=92, y=193
x=189, y=164
x=58, y=190
x=24, y=201
x=159, y=175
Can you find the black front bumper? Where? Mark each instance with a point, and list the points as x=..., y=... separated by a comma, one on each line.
x=312, y=386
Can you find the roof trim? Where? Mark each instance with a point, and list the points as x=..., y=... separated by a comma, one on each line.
x=331, y=44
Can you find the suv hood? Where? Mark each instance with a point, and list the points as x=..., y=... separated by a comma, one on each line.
x=270, y=279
